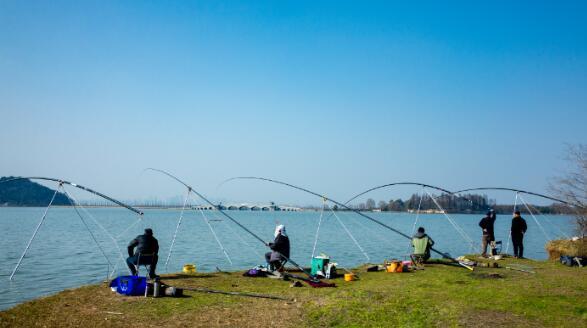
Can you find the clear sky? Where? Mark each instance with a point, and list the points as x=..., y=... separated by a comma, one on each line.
x=336, y=96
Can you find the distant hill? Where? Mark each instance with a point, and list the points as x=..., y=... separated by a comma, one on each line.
x=24, y=192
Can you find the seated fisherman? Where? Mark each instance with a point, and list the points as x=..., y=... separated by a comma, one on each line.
x=279, y=249
x=147, y=250
x=422, y=244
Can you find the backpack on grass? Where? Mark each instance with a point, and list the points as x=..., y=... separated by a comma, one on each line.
x=129, y=285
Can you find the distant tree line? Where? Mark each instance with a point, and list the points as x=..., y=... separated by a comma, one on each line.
x=24, y=192
x=470, y=203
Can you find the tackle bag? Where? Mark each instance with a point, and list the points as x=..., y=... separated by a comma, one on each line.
x=573, y=260
x=255, y=272
x=129, y=285
x=394, y=266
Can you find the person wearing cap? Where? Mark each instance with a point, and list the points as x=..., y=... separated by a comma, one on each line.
x=422, y=244
x=487, y=224
x=517, y=231
x=146, y=252
x=279, y=249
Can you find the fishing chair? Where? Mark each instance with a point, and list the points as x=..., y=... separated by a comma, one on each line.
x=146, y=265
x=278, y=265
x=495, y=247
x=418, y=260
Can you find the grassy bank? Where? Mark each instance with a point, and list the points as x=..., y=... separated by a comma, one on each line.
x=437, y=296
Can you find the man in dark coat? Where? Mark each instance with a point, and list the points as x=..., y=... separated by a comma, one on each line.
x=147, y=252
x=517, y=231
x=486, y=225
x=279, y=249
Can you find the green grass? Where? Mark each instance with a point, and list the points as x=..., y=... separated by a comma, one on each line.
x=440, y=295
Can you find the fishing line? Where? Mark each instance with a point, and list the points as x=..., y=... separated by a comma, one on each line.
x=216, y=237
x=129, y=227
x=34, y=234
x=118, y=237
x=342, y=205
x=80, y=187
x=545, y=217
x=237, y=234
x=454, y=224
x=114, y=241
x=177, y=227
x=522, y=192
x=318, y=229
x=416, y=220
x=232, y=219
x=73, y=203
x=535, y=220
x=423, y=185
x=510, y=234
x=372, y=231
x=60, y=186
x=352, y=237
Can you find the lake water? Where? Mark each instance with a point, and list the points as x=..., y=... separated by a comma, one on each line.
x=64, y=254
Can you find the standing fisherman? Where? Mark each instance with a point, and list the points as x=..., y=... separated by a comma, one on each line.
x=486, y=225
x=279, y=249
x=518, y=230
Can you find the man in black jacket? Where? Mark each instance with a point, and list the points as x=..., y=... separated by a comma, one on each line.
x=487, y=224
x=517, y=231
x=147, y=252
x=279, y=249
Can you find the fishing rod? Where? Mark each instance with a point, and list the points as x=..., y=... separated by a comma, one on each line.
x=523, y=192
x=77, y=186
x=190, y=188
x=61, y=182
x=445, y=255
x=399, y=184
x=243, y=294
x=404, y=183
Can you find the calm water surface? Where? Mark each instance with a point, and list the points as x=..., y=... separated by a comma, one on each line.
x=64, y=254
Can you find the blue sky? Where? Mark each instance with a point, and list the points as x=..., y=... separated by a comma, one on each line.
x=333, y=95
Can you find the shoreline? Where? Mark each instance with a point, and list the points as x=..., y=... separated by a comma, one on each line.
x=439, y=295
x=301, y=210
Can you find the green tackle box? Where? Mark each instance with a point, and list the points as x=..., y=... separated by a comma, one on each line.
x=319, y=265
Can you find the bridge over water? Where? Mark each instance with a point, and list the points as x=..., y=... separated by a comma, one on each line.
x=248, y=207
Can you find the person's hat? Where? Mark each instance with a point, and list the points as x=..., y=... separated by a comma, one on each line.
x=148, y=231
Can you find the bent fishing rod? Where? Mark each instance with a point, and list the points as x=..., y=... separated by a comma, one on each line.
x=60, y=181
x=444, y=255
x=521, y=192
x=191, y=189
x=399, y=184
x=424, y=185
